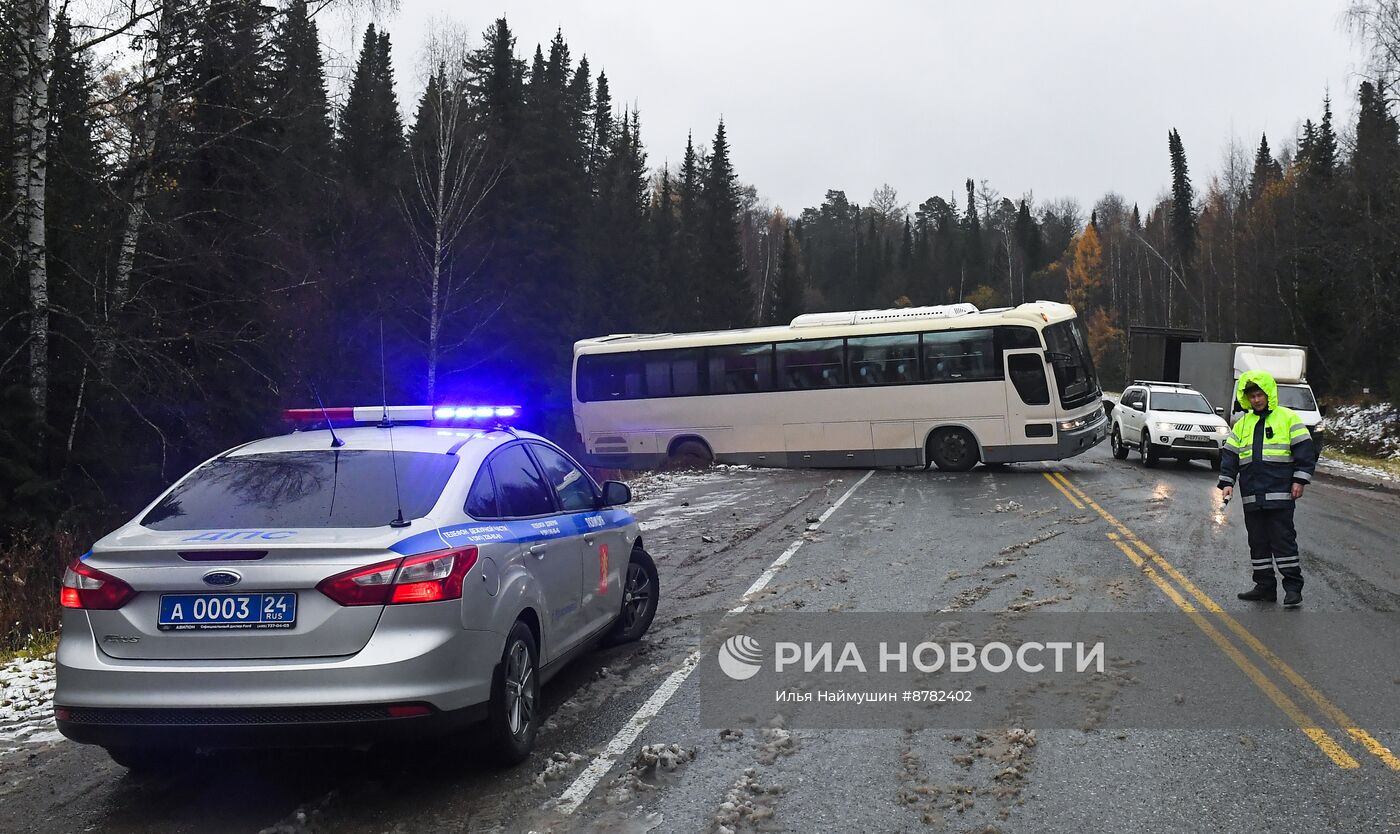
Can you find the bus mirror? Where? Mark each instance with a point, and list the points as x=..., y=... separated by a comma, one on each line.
x=1055, y=356
x=616, y=493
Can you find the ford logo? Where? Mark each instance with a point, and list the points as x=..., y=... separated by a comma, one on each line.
x=222, y=578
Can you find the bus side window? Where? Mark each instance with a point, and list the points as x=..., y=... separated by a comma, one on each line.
x=1028, y=375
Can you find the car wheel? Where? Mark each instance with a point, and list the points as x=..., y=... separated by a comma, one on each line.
x=1115, y=440
x=1149, y=455
x=690, y=454
x=953, y=450
x=146, y=760
x=640, y=596
x=513, y=717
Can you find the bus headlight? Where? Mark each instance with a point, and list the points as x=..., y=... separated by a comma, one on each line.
x=1071, y=425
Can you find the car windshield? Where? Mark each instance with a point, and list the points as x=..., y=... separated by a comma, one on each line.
x=1179, y=401
x=1298, y=399
x=330, y=488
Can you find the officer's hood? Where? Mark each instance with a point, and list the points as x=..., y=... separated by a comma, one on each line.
x=1265, y=383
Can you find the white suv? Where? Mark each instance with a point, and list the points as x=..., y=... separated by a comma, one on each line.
x=1167, y=419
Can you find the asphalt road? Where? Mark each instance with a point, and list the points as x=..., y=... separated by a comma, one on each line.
x=1087, y=535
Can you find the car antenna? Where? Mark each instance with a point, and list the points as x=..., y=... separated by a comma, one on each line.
x=336, y=442
x=386, y=423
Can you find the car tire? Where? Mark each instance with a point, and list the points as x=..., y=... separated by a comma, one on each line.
x=690, y=454
x=148, y=760
x=1115, y=441
x=1149, y=454
x=953, y=450
x=640, y=597
x=513, y=714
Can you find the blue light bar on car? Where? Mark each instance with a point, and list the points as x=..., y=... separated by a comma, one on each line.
x=457, y=413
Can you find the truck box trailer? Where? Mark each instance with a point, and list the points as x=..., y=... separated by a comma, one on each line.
x=1214, y=368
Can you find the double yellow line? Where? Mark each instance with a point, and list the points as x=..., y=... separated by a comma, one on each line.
x=1154, y=566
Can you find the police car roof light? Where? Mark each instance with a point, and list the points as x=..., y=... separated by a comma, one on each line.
x=480, y=414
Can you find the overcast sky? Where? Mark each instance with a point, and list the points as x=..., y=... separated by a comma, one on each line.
x=1064, y=99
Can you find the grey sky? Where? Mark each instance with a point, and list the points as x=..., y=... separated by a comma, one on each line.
x=1063, y=99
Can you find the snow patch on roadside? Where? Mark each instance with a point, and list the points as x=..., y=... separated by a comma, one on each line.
x=1327, y=464
x=1368, y=429
x=26, y=701
x=654, y=495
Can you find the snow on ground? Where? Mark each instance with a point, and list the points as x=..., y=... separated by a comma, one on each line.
x=1344, y=468
x=1367, y=429
x=26, y=702
x=654, y=495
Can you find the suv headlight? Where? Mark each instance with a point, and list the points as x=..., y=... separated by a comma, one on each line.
x=1163, y=427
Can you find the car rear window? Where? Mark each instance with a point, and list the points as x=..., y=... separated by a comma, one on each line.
x=330, y=488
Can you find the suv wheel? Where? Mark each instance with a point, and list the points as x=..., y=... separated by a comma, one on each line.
x=640, y=595
x=1115, y=440
x=513, y=717
x=1147, y=450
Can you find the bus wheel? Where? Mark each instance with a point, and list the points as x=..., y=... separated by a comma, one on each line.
x=953, y=450
x=690, y=454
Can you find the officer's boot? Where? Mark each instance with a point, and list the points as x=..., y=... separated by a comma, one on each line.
x=1262, y=593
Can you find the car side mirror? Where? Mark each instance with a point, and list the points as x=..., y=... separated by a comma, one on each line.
x=616, y=493
x=1322, y=409
x=1220, y=410
x=1139, y=406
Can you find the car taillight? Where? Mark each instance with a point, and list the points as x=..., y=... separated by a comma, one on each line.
x=431, y=577
x=89, y=588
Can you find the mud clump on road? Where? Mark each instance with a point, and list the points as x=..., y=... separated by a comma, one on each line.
x=748, y=803
x=650, y=766
x=558, y=766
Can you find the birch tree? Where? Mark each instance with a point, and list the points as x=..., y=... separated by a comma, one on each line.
x=448, y=181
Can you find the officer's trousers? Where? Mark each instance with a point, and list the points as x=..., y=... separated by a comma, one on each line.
x=1273, y=543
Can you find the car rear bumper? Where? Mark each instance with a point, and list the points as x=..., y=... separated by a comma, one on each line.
x=411, y=660
x=277, y=727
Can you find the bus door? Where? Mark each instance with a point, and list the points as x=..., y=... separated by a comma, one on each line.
x=1030, y=412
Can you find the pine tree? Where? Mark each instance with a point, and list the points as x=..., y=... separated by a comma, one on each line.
x=974, y=261
x=1322, y=159
x=1377, y=154
x=725, y=297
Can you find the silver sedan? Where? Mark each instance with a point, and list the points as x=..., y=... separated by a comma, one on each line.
x=343, y=588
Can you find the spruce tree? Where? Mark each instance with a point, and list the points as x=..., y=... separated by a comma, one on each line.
x=725, y=299
x=788, y=301
x=1183, y=205
x=1266, y=170
x=300, y=111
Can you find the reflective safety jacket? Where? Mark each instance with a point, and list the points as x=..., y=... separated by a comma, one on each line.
x=1268, y=452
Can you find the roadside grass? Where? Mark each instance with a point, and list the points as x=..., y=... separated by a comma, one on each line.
x=31, y=567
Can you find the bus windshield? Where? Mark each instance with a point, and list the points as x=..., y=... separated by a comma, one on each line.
x=1073, y=375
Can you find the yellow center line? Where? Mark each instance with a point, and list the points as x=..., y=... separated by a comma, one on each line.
x=1331, y=710
x=1324, y=742
x=1063, y=491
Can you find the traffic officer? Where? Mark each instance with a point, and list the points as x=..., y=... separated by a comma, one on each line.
x=1272, y=454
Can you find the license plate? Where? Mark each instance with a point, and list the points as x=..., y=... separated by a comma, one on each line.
x=1199, y=437
x=209, y=612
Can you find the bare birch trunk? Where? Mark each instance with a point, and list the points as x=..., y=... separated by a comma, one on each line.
x=31, y=124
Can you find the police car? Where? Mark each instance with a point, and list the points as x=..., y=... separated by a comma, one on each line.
x=413, y=571
x=1167, y=419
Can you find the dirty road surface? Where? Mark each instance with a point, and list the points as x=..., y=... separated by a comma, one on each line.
x=623, y=748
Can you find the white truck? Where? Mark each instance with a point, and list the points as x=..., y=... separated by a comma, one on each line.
x=1214, y=368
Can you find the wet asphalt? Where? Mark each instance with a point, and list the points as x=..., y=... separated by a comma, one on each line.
x=1006, y=540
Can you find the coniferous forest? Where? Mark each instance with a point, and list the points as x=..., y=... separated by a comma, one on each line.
x=199, y=232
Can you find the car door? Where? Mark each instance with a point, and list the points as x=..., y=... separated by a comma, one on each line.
x=1131, y=418
x=601, y=547
x=548, y=551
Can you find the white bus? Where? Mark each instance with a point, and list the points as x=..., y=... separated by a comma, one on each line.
x=949, y=385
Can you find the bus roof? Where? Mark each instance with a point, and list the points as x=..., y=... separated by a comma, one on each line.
x=837, y=325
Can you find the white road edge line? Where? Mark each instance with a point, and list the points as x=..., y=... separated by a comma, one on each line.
x=581, y=787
